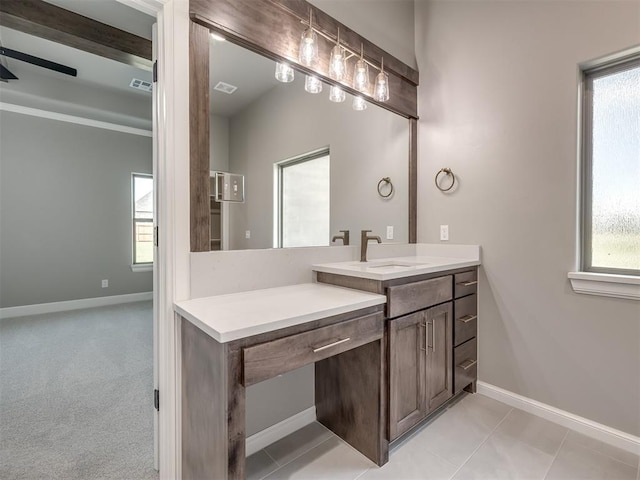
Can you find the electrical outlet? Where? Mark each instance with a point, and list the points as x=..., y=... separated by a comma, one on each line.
x=390, y=232
x=247, y=234
x=444, y=233
x=105, y=283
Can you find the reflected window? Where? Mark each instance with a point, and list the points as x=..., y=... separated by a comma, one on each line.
x=303, y=201
x=611, y=169
x=142, y=192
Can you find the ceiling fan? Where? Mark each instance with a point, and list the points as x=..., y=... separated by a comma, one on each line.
x=6, y=74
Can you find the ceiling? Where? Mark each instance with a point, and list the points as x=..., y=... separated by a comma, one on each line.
x=253, y=74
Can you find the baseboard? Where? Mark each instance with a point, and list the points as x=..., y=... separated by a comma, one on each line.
x=40, y=308
x=592, y=429
x=266, y=437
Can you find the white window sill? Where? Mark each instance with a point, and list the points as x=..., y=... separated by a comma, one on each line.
x=142, y=267
x=606, y=284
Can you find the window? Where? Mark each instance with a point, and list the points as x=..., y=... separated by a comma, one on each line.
x=303, y=201
x=142, y=192
x=610, y=236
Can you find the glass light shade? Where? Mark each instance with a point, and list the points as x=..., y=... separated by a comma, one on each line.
x=312, y=84
x=359, y=103
x=381, y=88
x=338, y=64
x=284, y=73
x=361, y=76
x=308, y=52
x=336, y=94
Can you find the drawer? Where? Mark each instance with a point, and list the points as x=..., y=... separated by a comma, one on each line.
x=465, y=325
x=466, y=283
x=465, y=365
x=273, y=358
x=411, y=297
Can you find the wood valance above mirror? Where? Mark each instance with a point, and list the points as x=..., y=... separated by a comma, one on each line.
x=273, y=28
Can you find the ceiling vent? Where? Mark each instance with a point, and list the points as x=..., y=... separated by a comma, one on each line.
x=141, y=85
x=225, y=88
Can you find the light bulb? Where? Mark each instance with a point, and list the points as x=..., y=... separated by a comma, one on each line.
x=381, y=89
x=308, y=53
x=361, y=76
x=336, y=94
x=312, y=84
x=284, y=73
x=338, y=64
x=359, y=103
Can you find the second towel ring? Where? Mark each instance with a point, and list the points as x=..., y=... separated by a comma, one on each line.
x=446, y=171
x=386, y=180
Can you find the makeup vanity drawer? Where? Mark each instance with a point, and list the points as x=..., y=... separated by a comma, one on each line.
x=465, y=361
x=466, y=321
x=466, y=283
x=414, y=296
x=269, y=359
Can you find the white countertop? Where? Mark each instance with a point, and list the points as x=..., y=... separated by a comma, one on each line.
x=239, y=315
x=398, y=267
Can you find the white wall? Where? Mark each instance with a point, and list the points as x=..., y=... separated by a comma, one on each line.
x=219, y=135
x=364, y=147
x=497, y=104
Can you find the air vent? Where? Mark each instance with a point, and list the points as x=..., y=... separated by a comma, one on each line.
x=141, y=85
x=225, y=88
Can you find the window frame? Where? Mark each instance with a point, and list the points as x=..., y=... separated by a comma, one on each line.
x=134, y=219
x=279, y=173
x=588, y=75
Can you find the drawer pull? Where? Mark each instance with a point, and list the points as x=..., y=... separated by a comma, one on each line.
x=426, y=338
x=467, y=284
x=324, y=347
x=467, y=364
x=467, y=318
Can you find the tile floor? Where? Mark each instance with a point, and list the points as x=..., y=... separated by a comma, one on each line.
x=474, y=438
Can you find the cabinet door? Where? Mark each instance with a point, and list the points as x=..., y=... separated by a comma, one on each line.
x=439, y=378
x=407, y=346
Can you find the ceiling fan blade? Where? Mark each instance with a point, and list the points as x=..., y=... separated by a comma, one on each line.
x=40, y=62
x=5, y=74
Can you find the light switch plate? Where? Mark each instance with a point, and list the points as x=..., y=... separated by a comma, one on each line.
x=105, y=283
x=247, y=234
x=444, y=233
x=390, y=232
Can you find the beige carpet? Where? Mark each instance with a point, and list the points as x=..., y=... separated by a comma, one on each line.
x=76, y=396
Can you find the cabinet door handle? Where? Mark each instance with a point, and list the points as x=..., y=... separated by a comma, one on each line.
x=426, y=339
x=467, y=318
x=467, y=284
x=467, y=364
x=433, y=336
x=324, y=347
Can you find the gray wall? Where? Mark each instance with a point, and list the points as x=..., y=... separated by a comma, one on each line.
x=497, y=104
x=364, y=147
x=65, y=210
x=219, y=134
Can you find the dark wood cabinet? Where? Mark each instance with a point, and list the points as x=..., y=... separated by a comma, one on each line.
x=407, y=364
x=439, y=377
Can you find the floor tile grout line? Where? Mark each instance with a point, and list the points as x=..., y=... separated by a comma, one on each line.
x=482, y=443
x=609, y=456
x=293, y=459
x=274, y=460
x=564, y=439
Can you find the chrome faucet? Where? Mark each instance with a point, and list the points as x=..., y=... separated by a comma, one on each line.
x=364, y=241
x=344, y=237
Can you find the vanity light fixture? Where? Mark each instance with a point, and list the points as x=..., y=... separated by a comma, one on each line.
x=338, y=62
x=308, y=53
x=284, y=72
x=361, y=74
x=336, y=94
x=359, y=103
x=381, y=88
x=312, y=84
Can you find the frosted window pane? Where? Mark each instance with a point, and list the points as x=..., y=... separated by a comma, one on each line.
x=305, y=203
x=616, y=171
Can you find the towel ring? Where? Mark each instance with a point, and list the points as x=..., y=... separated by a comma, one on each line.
x=446, y=171
x=387, y=181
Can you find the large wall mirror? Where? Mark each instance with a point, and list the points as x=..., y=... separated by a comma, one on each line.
x=311, y=167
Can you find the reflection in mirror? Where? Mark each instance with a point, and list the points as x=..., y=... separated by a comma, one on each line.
x=311, y=166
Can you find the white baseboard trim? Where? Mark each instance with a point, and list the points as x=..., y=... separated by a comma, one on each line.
x=266, y=437
x=592, y=429
x=40, y=308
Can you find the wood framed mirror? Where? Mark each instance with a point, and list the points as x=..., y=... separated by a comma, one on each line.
x=272, y=28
